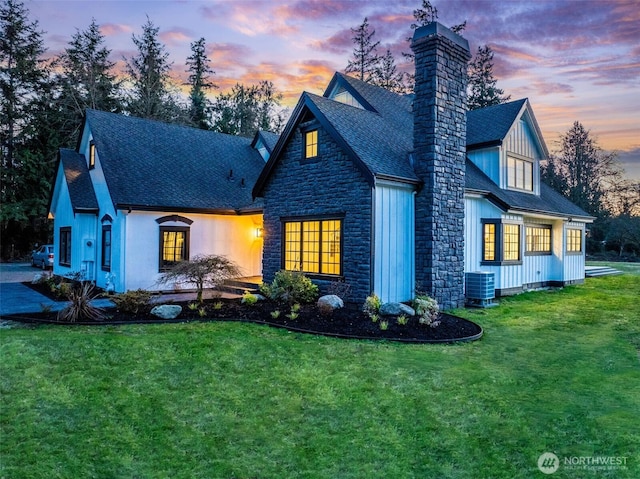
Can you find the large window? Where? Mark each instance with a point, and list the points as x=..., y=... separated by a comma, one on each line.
x=64, y=256
x=500, y=242
x=174, y=245
x=311, y=144
x=313, y=246
x=574, y=240
x=106, y=248
x=519, y=173
x=538, y=240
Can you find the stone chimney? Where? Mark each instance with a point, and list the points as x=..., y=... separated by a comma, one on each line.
x=439, y=142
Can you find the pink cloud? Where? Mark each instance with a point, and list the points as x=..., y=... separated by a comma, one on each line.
x=110, y=29
x=175, y=36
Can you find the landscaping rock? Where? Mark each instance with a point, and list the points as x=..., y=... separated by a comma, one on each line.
x=258, y=297
x=330, y=302
x=396, y=309
x=167, y=311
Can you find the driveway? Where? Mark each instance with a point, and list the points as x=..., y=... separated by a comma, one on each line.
x=16, y=298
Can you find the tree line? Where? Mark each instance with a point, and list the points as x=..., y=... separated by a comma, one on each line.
x=43, y=103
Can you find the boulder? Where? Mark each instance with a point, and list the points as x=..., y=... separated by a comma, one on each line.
x=330, y=302
x=396, y=309
x=167, y=311
x=258, y=297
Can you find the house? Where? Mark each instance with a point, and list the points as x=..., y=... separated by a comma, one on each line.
x=382, y=191
x=387, y=192
x=138, y=195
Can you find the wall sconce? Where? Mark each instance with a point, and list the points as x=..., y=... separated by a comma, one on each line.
x=259, y=232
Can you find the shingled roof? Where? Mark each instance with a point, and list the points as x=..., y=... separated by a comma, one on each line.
x=158, y=166
x=490, y=125
x=76, y=173
x=548, y=202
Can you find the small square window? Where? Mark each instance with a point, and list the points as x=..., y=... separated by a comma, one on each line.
x=311, y=144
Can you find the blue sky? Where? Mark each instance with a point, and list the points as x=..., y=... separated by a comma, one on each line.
x=574, y=59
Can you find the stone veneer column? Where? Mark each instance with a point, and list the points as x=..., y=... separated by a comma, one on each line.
x=439, y=141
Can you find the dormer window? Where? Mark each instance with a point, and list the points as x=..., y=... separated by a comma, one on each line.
x=92, y=155
x=311, y=144
x=519, y=172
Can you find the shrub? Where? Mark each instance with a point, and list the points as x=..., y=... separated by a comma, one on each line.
x=249, y=299
x=427, y=310
x=132, y=302
x=384, y=325
x=217, y=306
x=402, y=320
x=372, y=306
x=80, y=307
x=290, y=287
x=275, y=314
x=203, y=270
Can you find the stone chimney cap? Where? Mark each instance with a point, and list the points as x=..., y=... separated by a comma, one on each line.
x=435, y=28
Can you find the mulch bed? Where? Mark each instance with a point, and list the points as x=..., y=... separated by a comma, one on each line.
x=349, y=322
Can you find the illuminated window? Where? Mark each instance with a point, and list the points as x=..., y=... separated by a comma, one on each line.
x=574, y=240
x=500, y=242
x=311, y=144
x=174, y=246
x=538, y=240
x=511, y=242
x=64, y=258
x=519, y=173
x=489, y=242
x=92, y=155
x=106, y=248
x=313, y=246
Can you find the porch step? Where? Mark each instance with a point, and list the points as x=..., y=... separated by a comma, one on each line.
x=240, y=285
x=595, y=271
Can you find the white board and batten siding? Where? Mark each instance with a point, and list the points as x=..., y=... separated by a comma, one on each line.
x=488, y=160
x=231, y=236
x=521, y=141
x=540, y=268
x=574, y=263
x=394, y=254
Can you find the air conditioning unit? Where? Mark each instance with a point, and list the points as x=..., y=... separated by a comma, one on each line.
x=480, y=288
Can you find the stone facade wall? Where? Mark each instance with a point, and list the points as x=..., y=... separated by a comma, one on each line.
x=439, y=156
x=330, y=184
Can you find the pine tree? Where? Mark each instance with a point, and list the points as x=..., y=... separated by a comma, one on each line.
x=149, y=76
x=365, y=56
x=482, y=89
x=87, y=81
x=423, y=16
x=387, y=75
x=199, y=79
x=25, y=170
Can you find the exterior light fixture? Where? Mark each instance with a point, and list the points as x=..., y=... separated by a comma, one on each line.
x=259, y=232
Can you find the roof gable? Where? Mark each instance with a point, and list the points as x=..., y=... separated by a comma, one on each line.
x=76, y=173
x=153, y=165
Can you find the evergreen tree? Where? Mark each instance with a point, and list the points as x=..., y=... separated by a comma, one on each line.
x=582, y=171
x=87, y=81
x=244, y=110
x=25, y=172
x=482, y=89
x=365, y=57
x=199, y=79
x=428, y=13
x=148, y=73
x=387, y=75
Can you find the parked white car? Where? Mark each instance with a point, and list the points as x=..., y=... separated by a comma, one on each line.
x=42, y=257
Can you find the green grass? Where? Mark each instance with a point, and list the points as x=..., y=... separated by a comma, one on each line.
x=556, y=371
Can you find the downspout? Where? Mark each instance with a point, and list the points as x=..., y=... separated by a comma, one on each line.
x=372, y=244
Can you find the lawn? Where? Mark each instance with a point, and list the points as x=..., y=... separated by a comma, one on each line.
x=556, y=371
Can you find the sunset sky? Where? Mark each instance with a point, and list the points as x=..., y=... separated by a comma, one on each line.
x=574, y=60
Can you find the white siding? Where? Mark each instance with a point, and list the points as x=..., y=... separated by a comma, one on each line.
x=394, y=261
x=488, y=160
x=230, y=236
x=573, y=263
x=520, y=140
